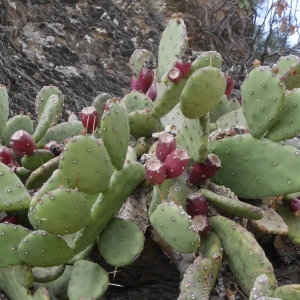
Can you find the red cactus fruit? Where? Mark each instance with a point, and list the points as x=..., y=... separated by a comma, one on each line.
x=201, y=224
x=176, y=163
x=155, y=171
x=196, y=204
x=89, y=117
x=175, y=75
x=146, y=77
x=6, y=156
x=165, y=145
x=184, y=67
x=229, y=85
x=22, y=143
x=152, y=92
x=294, y=206
x=135, y=84
x=205, y=170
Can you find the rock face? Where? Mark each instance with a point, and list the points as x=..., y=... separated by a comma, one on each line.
x=82, y=47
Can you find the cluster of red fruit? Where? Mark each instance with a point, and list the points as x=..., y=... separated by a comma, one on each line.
x=171, y=162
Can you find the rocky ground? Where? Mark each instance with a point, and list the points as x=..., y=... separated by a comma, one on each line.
x=83, y=47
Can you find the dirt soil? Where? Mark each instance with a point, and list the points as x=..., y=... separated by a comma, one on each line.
x=83, y=48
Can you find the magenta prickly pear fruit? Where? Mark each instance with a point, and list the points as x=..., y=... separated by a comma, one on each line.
x=7, y=158
x=22, y=143
x=135, y=84
x=175, y=75
x=89, y=117
x=196, y=204
x=146, y=77
x=205, y=170
x=176, y=163
x=152, y=92
x=201, y=224
x=155, y=171
x=165, y=145
x=294, y=206
x=229, y=85
x=184, y=66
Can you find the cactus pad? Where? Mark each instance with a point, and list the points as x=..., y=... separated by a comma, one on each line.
x=10, y=237
x=203, y=90
x=42, y=249
x=82, y=151
x=175, y=227
x=62, y=211
x=88, y=281
x=117, y=236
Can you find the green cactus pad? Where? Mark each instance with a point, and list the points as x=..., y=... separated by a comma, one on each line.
x=51, y=184
x=23, y=274
x=292, y=76
x=121, y=185
x=175, y=227
x=233, y=206
x=10, y=237
x=42, y=98
x=285, y=62
x=136, y=101
x=42, y=294
x=82, y=151
x=47, y=118
x=193, y=137
x=211, y=247
x=48, y=274
x=60, y=132
x=13, y=194
x=62, y=211
x=293, y=223
x=38, y=177
x=223, y=107
x=271, y=223
x=179, y=191
x=115, y=133
x=11, y=287
x=172, y=43
x=248, y=164
x=260, y=287
x=207, y=59
x=142, y=123
x=288, y=292
x=38, y=158
x=247, y=260
x=4, y=105
x=203, y=90
x=159, y=194
x=174, y=117
x=48, y=287
x=287, y=125
x=196, y=280
x=263, y=100
x=168, y=99
x=117, y=236
x=19, y=122
x=88, y=281
x=233, y=118
x=60, y=285
x=99, y=102
x=138, y=59
x=42, y=249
